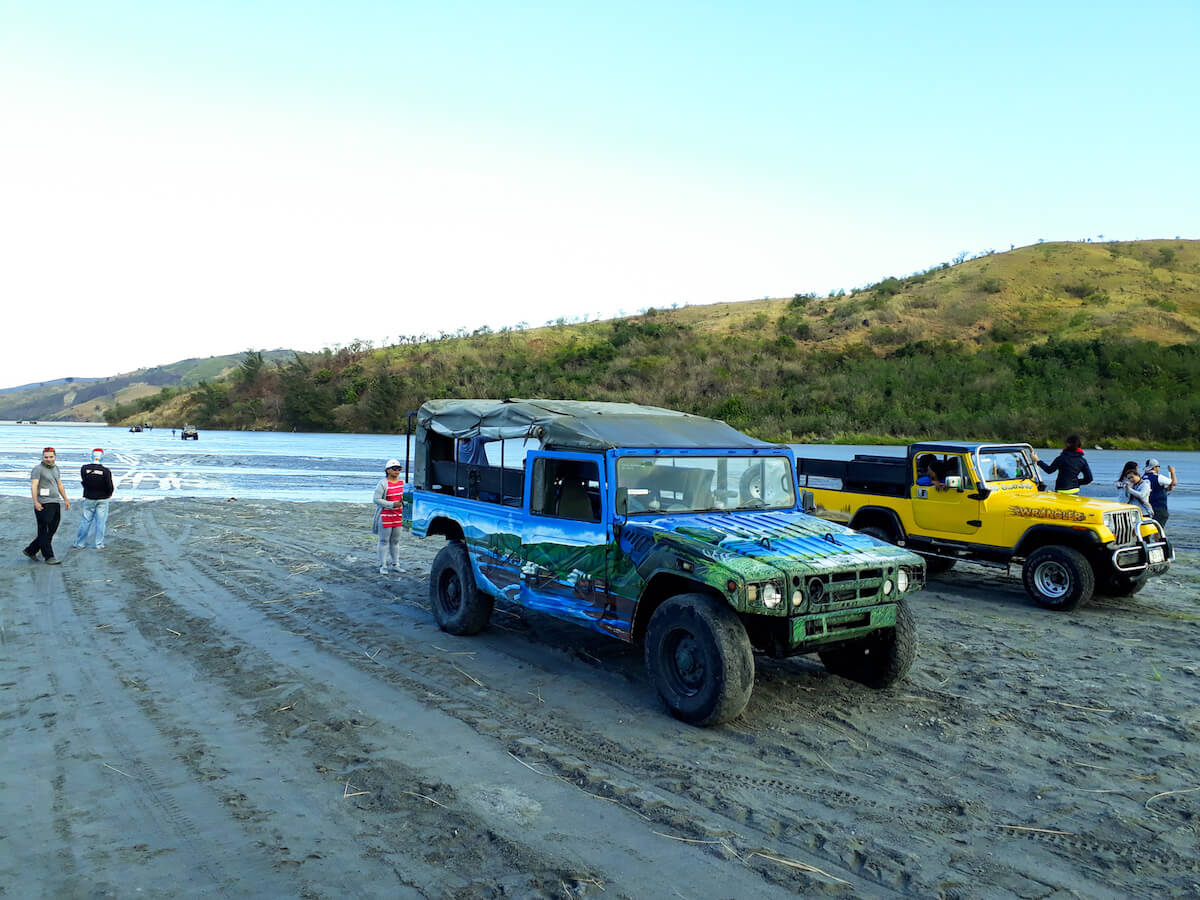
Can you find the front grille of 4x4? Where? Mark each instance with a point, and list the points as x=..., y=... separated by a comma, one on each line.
x=844, y=587
x=1124, y=525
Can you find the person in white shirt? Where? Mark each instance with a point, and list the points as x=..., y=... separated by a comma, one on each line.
x=1133, y=488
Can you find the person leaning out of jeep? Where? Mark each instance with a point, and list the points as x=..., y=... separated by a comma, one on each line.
x=931, y=472
x=1073, y=470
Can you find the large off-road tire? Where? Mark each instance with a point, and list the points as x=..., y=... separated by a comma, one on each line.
x=699, y=659
x=1058, y=578
x=879, y=533
x=458, y=606
x=1116, y=585
x=936, y=565
x=878, y=660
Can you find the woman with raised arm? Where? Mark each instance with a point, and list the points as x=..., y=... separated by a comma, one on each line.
x=1073, y=470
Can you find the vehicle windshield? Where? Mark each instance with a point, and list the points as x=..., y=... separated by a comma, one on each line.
x=703, y=483
x=1004, y=465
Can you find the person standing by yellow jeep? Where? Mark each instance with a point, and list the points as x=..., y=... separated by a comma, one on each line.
x=1159, y=488
x=1073, y=470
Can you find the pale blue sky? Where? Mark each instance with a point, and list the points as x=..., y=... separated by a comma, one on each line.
x=191, y=181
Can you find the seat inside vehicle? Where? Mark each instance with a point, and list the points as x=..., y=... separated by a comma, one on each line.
x=574, y=502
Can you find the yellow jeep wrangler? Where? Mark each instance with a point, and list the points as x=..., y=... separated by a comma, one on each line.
x=987, y=504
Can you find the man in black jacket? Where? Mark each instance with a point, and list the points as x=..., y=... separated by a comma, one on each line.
x=97, y=489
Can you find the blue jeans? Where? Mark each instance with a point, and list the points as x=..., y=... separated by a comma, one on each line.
x=93, y=511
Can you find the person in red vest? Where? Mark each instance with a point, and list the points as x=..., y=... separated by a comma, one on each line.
x=389, y=516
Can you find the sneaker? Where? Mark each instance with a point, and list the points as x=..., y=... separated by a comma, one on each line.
x=77, y=547
x=383, y=570
x=54, y=561
x=31, y=554
x=395, y=569
x=99, y=546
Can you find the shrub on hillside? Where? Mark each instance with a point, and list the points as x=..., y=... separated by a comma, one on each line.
x=793, y=325
x=1163, y=303
x=889, y=287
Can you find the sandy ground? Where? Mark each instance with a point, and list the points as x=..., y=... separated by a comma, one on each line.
x=230, y=699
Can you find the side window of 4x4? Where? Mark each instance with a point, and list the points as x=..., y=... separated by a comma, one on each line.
x=566, y=489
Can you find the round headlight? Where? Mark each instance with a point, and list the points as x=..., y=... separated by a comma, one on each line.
x=902, y=580
x=771, y=598
x=887, y=587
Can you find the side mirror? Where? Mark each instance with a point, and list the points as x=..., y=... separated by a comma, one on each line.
x=981, y=494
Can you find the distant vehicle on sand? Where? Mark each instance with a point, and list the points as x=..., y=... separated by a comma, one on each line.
x=190, y=433
x=135, y=428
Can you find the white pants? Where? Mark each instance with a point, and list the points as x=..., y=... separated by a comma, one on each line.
x=389, y=546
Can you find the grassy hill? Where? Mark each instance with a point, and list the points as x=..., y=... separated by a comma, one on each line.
x=1029, y=344
x=86, y=399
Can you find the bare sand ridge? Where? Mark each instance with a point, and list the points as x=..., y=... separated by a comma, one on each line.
x=230, y=699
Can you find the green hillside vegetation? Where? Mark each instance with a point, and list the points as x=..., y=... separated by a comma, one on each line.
x=88, y=399
x=1027, y=344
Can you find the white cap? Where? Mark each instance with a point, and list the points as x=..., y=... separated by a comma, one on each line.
x=393, y=464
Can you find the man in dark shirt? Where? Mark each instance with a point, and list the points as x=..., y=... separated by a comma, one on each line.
x=97, y=489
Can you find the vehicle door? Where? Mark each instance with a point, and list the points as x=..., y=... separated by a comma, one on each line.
x=567, y=542
x=1012, y=492
x=951, y=510
x=502, y=522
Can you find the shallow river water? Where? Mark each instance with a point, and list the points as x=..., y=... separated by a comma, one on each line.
x=294, y=466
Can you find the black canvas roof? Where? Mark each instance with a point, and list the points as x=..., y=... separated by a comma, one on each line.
x=581, y=424
x=957, y=446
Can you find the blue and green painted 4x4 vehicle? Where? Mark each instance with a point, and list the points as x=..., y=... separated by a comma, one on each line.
x=657, y=527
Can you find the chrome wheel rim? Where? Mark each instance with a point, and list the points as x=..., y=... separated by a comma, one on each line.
x=1052, y=580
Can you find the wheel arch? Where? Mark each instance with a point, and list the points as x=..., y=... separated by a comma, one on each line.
x=446, y=527
x=881, y=516
x=661, y=587
x=1086, y=541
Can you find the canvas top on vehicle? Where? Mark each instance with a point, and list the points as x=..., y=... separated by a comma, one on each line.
x=580, y=424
